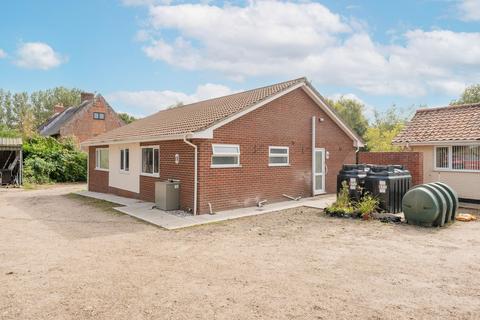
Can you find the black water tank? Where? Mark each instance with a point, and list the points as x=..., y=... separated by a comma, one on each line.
x=354, y=175
x=388, y=184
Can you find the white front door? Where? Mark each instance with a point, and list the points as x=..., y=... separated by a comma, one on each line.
x=319, y=171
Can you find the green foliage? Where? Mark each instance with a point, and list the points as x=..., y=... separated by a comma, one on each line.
x=51, y=160
x=344, y=207
x=126, y=118
x=352, y=112
x=470, y=95
x=5, y=132
x=367, y=205
x=386, y=126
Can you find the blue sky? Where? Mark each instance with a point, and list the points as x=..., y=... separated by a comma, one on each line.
x=145, y=55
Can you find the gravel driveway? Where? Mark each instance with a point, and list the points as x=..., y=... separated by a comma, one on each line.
x=62, y=257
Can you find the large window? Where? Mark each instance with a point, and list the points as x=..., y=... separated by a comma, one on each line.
x=278, y=156
x=124, y=160
x=225, y=155
x=150, y=157
x=101, y=159
x=458, y=158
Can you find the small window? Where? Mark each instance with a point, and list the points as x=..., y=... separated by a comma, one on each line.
x=150, y=157
x=278, y=156
x=441, y=157
x=124, y=160
x=99, y=116
x=101, y=158
x=225, y=155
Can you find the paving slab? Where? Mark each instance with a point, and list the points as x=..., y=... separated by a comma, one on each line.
x=144, y=210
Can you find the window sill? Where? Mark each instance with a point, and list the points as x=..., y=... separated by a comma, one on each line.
x=123, y=172
x=279, y=165
x=225, y=166
x=100, y=169
x=154, y=175
x=456, y=170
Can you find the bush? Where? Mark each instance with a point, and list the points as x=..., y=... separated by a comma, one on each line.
x=51, y=160
x=367, y=205
x=344, y=207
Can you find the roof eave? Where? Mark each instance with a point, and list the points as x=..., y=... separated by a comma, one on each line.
x=437, y=142
x=179, y=136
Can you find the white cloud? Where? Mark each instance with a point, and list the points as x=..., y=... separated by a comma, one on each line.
x=38, y=55
x=273, y=38
x=149, y=101
x=3, y=54
x=470, y=10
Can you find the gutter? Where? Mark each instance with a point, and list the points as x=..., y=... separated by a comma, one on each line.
x=195, y=177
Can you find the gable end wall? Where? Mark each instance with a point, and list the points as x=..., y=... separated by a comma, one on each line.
x=82, y=125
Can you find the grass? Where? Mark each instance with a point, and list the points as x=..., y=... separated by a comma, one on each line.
x=105, y=206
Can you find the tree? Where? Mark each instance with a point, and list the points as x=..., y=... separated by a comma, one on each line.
x=126, y=117
x=387, y=125
x=43, y=101
x=24, y=112
x=470, y=95
x=352, y=112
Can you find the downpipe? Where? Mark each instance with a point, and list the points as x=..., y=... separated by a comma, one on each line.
x=195, y=174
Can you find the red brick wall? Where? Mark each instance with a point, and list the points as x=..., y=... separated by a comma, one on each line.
x=183, y=171
x=97, y=180
x=84, y=127
x=413, y=161
x=283, y=122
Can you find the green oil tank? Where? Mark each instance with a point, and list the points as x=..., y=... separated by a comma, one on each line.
x=432, y=204
x=453, y=196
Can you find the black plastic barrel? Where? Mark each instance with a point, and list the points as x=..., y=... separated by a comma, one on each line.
x=388, y=184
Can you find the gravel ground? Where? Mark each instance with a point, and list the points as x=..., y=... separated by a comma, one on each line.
x=63, y=257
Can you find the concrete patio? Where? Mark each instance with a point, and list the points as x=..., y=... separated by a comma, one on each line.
x=144, y=210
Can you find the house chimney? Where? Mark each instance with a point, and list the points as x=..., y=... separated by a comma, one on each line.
x=84, y=96
x=59, y=108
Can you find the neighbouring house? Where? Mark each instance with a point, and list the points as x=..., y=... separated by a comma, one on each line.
x=449, y=139
x=228, y=152
x=93, y=116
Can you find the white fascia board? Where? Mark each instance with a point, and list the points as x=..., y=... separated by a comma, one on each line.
x=199, y=135
x=333, y=116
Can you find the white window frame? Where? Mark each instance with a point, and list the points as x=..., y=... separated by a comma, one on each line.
x=124, y=170
x=154, y=174
x=450, y=158
x=278, y=155
x=97, y=159
x=225, y=154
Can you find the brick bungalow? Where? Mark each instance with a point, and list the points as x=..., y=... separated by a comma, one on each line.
x=230, y=152
x=449, y=139
x=90, y=118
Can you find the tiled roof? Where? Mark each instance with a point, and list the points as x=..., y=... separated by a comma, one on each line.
x=193, y=117
x=452, y=123
x=53, y=124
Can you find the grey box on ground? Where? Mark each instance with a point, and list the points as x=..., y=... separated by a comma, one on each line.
x=167, y=194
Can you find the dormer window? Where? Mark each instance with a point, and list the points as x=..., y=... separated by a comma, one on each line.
x=99, y=116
